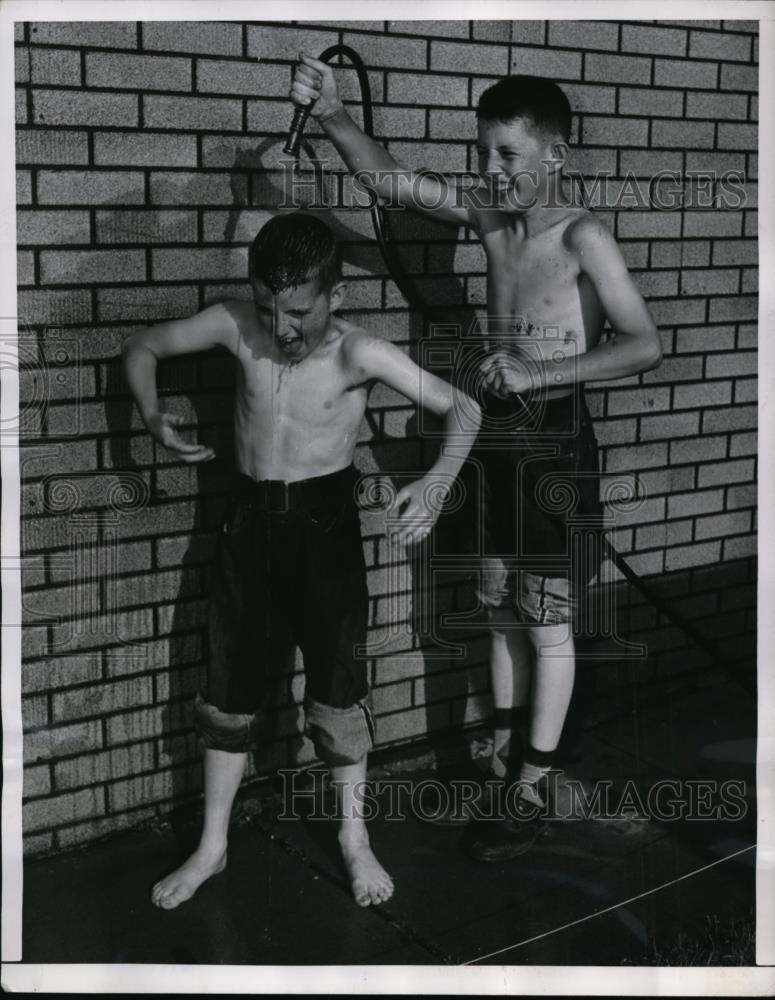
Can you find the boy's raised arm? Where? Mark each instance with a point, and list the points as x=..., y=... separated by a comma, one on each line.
x=368, y=357
x=213, y=327
x=314, y=86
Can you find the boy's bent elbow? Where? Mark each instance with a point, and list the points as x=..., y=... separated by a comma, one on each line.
x=134, y=352
x=133, y=344
x=653, y=352
x=128, y=351
x=656, y=361
x=643, y=351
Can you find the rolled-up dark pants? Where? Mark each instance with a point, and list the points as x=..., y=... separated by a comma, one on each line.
x=289, y=570
x=541, y=482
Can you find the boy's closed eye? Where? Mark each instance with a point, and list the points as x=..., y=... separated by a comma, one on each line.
x=297, y=313
x=504, y=153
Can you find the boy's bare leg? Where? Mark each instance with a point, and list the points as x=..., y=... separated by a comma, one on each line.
x=222, y=776
x=510, y=662
x=552, y=689
x=553, y=686
x=369, y=881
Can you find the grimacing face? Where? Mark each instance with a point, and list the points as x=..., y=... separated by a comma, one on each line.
x=515, y=160
x=296, y=318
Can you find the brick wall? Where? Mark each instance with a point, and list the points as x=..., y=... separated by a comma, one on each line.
x=148, y=155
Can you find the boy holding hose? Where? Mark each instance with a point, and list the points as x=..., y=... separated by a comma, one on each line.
x=554, y=276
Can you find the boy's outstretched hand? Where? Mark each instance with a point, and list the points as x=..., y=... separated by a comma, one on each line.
x=314, y=87
x=421, y=501
x=162, y=427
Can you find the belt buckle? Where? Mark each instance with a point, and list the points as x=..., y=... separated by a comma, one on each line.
x=278, y=496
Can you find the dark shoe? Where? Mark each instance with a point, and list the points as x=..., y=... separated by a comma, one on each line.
x=508, y=837
x=460, y=801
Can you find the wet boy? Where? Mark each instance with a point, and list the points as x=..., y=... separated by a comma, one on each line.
x=554, y=276
x=289, y=566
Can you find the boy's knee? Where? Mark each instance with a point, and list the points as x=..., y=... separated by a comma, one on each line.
x=341, y=736
x=553, y=639
x=492, y=587
x=229, y=731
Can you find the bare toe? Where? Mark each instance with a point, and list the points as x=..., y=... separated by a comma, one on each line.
x=361, y=894
x=184, y=881
x=370, y=883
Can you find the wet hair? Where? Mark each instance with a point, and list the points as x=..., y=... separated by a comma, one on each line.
x=294, y=248
x=534, y=98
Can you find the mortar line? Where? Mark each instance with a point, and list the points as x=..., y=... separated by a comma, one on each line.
x=402, y=928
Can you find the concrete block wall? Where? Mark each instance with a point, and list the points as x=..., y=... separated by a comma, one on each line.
x=148, y=155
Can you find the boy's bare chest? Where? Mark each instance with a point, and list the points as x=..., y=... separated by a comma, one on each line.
x=314, y=394
x=529, y=272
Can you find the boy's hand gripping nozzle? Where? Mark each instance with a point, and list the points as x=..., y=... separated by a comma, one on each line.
x=302, y=111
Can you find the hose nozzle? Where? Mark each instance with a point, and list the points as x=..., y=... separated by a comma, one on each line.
x=300, y=116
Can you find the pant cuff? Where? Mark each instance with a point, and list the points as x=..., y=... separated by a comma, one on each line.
x=229, y=731
x=341, y=736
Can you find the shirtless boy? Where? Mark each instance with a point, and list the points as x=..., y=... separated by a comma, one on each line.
x=554, y=276
x=289, y=566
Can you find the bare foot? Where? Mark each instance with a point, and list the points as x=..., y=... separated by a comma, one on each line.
x=369, y=881
x=184, y=881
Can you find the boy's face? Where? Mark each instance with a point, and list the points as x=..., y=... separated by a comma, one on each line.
x=296, y=318
x=512, y=159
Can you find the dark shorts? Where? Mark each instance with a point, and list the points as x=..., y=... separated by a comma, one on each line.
x=289, y=571
x=539, y=514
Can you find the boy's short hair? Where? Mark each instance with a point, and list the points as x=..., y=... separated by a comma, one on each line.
x=294, y=248
x=538, y=100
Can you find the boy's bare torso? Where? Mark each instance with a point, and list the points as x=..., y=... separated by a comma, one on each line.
x=294, y=421
x=539, y=302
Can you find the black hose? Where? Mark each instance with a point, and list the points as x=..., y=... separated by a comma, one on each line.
x=415, y=299
x=378, y=218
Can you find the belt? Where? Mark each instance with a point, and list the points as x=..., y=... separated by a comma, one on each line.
x=280, y=497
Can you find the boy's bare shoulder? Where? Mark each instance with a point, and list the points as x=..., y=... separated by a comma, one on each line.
x=241, y=312
x=583, y=227
x=361, y=348
x=240, y=318
x=356, y=339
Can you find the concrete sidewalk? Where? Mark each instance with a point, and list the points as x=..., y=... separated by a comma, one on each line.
x=589, y=892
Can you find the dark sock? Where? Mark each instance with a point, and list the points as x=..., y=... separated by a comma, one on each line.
x=536, y=765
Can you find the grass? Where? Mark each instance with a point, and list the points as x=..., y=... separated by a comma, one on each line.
x=730, y=942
